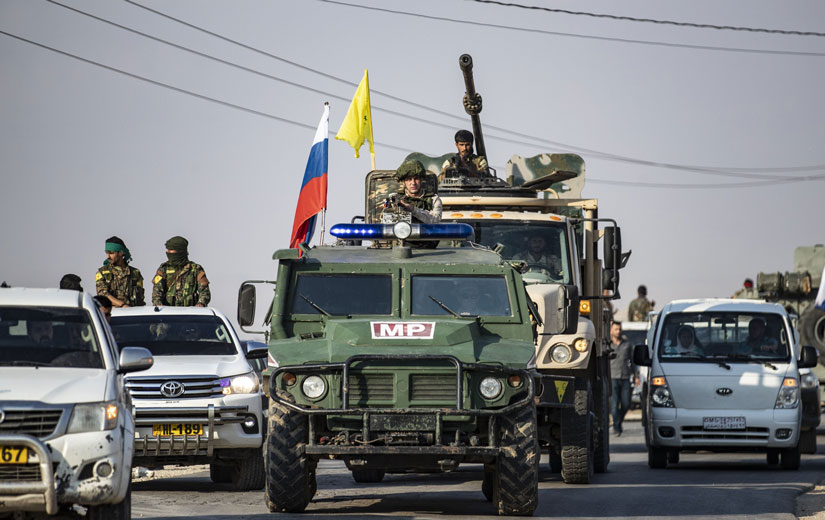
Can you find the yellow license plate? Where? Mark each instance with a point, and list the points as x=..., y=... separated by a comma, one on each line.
x=167, y=430
x=14, y=455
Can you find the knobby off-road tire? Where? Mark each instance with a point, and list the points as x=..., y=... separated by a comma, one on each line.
x=367, y=476
x=248, y=474
x=120, y=511
x=577, y=438
x=289, y=475
x=488, y=483
x=554, y=461
x=516, y=480
x=601, y=457
x=220, y=473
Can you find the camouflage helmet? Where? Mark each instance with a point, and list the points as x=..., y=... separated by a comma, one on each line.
x=410, y=168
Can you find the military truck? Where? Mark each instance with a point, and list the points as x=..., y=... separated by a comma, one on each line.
x=401, y=357
x=540, y=201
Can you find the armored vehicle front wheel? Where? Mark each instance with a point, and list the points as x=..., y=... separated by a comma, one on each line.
x=488, y=483
x=577, y=451
x=290, y=476
x=515, y=483
x=367, y=476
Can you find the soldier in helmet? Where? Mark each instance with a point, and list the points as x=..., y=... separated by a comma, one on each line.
x=121, y=283
x=465, y=161
x=179, y=281
x=423, y=205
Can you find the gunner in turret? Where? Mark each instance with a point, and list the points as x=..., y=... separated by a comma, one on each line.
x=423, y=205
x=465, y=162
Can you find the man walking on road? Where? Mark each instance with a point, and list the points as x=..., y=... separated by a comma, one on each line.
x=621, y=369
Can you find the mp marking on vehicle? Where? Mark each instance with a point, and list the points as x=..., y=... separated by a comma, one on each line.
x=402, y=329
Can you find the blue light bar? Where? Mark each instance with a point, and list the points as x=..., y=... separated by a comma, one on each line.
x=405, y=231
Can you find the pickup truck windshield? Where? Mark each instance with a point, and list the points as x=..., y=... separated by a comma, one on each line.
x=464, y=295
x=542, y=245
x=342, y=294
x=48, y=337
x=728, y=336
x=174, y=335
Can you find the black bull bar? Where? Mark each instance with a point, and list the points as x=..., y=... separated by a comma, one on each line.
x=381, y=418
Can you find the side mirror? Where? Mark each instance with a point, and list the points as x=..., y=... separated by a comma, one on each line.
x=641, y=356
x=571, y=315
x=135, y=359
x=610, y=280
x=612, y=247
x=809, y=357
x=246, y=305
x=256, y=350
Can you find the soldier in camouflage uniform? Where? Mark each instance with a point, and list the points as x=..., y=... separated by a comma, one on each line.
x=638, y=309
x=465, y=161
x=121, y=283
x=178, y=281
x=424, y=206
x=747, y=292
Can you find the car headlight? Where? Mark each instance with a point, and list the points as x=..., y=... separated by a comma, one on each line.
x=788, y=396
x=93, y=417
x=490, y=387
x=560, y=353
x=242, y=384
x=314, y=387
x=808, y=381
x=661, y=396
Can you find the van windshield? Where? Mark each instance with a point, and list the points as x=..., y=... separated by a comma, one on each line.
x=728, y=336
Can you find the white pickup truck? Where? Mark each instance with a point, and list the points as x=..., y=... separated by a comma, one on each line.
x=201, y=401
x=66, y=425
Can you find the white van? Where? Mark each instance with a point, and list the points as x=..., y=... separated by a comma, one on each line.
x=724, y=376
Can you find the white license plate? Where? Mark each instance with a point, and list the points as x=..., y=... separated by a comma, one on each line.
x=723, y=423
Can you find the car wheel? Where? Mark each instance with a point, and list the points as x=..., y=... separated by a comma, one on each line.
x=791, y=458
x=120, y=511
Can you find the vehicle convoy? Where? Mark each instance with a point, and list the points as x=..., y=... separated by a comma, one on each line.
x=395, y=358
x=201, y=401
x=540, y=204
x=724, y=376
x=66, y=424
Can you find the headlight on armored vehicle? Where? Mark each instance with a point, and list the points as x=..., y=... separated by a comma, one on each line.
x=560, y=353
x=93, y=417
x=242, y=384
x=314, y=387
x=788, y=396
x=490, y=387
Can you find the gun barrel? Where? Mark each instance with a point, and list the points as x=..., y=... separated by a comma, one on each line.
x=465, y=61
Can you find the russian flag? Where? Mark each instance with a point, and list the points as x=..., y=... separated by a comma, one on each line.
x=313, y=196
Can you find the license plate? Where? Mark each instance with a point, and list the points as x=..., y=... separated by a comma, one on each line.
x=167, y=430
x=723, y=423
x=14, y=455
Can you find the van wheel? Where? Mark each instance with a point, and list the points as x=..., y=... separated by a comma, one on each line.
x=773, y=457
x=656, y=457
x=289, y=473
x=807, y=441
x=791, y=458
x=577, y=438
x=673, y=457
x=367, y=476
x=120, y=511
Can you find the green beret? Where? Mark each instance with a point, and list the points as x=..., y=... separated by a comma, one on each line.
x=177, y=244
x=410, y=168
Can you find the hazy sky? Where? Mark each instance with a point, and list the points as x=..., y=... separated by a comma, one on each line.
x=87, y=152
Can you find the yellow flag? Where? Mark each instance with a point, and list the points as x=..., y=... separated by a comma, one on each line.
x=357, y=125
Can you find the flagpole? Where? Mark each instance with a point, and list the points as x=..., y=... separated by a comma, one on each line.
x=323, y=214
x=369, y=109
x=324, y=209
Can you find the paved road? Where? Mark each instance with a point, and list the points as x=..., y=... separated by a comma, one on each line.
x=707, y=485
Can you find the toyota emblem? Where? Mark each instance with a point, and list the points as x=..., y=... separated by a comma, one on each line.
x=172, y=389
x=2, y=416
x=724, y=391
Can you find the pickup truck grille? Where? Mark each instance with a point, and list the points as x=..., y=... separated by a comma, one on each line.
x=194, y=387
x=20, y=473
x=37, y=423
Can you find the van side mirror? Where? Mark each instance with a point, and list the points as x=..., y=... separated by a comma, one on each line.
x=809, y=357
x=641, y=356
x=246, y=305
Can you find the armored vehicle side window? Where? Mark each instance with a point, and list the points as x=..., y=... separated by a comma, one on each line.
x=48, y=337
x=174, y=335
x=464, y=295
x=734, y=336
x=342, y=294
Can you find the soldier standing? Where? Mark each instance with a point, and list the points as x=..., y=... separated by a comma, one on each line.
x=465, y=161
x=638, y=309
x=747, y=292
x=178, y=281
x=71, y=281
x=424, y=206
x=121, y=283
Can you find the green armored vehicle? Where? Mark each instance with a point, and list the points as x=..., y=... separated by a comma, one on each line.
x=536, y=215
x=394, y=358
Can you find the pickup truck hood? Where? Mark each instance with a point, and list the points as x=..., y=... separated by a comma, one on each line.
x=221, y=366
x=53, y=385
